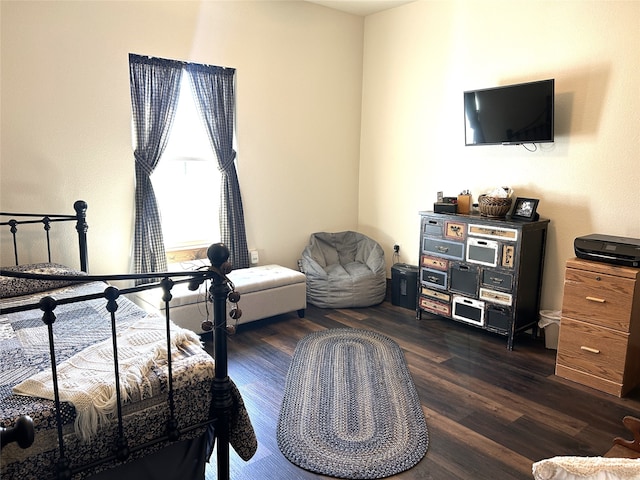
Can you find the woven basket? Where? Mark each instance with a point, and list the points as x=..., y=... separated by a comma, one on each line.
x=495, y=207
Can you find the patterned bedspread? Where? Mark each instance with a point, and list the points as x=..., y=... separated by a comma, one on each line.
x=24, y=351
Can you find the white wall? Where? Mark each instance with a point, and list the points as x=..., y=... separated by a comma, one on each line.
x=302, y=88
x=419, y=58
x=65, y=118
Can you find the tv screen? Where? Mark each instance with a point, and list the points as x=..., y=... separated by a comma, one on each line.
x=510, y=115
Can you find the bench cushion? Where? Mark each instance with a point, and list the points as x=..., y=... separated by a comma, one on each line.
x=255, y=279
x=265, y=291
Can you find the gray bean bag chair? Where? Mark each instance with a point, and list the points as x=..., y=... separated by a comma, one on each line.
x=345, y=269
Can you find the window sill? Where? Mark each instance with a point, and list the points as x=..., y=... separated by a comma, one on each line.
x=187, y=254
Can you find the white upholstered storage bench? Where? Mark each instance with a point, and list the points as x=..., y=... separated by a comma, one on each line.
x=265, y=291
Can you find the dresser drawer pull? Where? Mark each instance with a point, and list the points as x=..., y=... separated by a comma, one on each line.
x=589, y=349
x=596, y=299
x=442, y=249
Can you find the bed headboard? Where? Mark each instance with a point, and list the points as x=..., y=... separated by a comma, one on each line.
x=16, y=220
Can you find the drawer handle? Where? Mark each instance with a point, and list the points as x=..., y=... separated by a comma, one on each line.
x=596, y=299
x=432, y=279
x=442, y=249
x=496, y=280
x=589, y=349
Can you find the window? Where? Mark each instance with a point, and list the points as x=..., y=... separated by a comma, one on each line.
x=155, y=87
x=186, y=180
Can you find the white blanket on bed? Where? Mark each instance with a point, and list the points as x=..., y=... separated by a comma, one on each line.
x=586, y=468
x=87, y=379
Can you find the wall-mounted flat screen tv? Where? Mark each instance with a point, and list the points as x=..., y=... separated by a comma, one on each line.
x=510, y=115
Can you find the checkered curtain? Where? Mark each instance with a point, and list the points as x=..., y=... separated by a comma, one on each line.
x=155, y=86
x=214, y=89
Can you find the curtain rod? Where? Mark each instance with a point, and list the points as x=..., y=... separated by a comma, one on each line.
x=178, y=62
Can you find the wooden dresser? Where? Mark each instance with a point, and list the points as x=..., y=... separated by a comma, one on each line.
x=599, y=340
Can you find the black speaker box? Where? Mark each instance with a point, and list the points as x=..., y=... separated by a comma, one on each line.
x=441, y=207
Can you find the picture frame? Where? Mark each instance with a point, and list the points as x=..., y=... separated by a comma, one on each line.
x=525, y=209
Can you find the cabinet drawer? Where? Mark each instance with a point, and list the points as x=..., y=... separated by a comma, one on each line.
x=433, y=278
x=499, y=319
x=455, y=230
x=495, y=296
x=434, y=262
x=598, y=298
x=492, y=278
x=438, y=295
x=592, y=349
x=436, y=307
x=443, y=248
x=492, y=231
x=483, y=252
x=432, y=226
x=464, y=278
x=468, y=310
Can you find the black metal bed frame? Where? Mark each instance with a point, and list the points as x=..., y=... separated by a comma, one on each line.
x=222, y=403
x=80, y=206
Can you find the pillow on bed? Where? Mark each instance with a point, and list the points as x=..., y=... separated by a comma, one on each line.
x=15, y=287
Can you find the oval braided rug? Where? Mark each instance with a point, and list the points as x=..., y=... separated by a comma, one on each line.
x=350, y=407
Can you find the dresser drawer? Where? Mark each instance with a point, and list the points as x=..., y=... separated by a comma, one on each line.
x=436, y=307
x=495, y=296
x=434, y=262
x=434, y=278
x=592, y=349
x=443, y=248
x=495, y=279
x=598, y=298
x=499, y=319
x=463, y=278
x=432, y=226
x=436, y=294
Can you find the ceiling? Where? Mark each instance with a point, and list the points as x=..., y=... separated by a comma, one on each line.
x=360, y=7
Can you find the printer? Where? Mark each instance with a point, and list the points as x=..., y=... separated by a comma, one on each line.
x=609, y=249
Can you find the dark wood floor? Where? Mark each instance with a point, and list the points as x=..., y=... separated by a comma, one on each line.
x=490, y=412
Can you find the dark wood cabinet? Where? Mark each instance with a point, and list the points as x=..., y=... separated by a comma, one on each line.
x=486, y=272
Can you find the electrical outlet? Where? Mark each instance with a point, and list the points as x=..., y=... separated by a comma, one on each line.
x=396, y=248
x=254, y=257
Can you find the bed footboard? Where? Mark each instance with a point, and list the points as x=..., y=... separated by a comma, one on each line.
x=222, y=402
x=22, y=433
x=221, y=409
